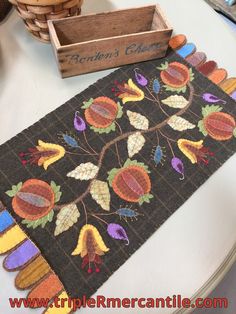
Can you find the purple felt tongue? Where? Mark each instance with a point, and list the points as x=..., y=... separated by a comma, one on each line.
x=234, y=95
x=18, y=258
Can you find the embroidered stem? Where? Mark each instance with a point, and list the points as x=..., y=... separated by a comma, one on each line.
x=196, y=115
x=103, y=214
x=150, y=99
x=166, y=137
x=171, y=148
x=153, y=97
x=99, y=218
x=89, y=146
x=165, y=113
x=86, y=151
x=77, y=154
x=125, y=136
x=158, y=138
x=118, y=155
x=119, y=127
x=156, y=100
x=85, y=212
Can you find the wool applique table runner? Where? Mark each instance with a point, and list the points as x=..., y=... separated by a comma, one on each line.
x=88, y=184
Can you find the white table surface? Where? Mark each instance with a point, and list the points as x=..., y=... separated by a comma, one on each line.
x=189, y=248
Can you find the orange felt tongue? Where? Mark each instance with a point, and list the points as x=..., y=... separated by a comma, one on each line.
x=46, y=289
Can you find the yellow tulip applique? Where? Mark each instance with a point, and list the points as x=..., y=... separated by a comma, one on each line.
x=44, y=154
x=90, y=247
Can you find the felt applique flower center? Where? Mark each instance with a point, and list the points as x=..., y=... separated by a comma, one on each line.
x=44, y=154
x=90, y=247
x=128, y=92
x=195, y=151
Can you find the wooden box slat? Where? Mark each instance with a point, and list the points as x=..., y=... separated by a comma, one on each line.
x=99, y=41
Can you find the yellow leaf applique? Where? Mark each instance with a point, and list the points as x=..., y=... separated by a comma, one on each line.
x=180, y=124
x=137, y=120
x=175, y=101
x=66, y=218
x=135, y=143
x=101, y=194
x=86, y=171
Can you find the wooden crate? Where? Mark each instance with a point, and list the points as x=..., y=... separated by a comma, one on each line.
x=99, y=41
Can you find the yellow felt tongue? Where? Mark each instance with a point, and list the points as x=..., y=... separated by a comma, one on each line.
x=53, y=309
x=32, y=273
x=229, y=85
x=11, y=238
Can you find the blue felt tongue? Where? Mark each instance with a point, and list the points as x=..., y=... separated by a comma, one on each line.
x=6, y=220
x=186, y=50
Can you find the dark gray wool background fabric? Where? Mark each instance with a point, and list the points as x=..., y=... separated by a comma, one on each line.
x=93, y=180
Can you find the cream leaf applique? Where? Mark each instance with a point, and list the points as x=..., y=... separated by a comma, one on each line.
x=101, y=194
x=135, y=143
x=180, y=124
x=85, y=171
x=175, y=101
x=66, y=218
x=137, y=120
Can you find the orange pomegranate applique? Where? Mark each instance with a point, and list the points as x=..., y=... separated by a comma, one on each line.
x=218, y=125
x=175, y=76
x=131, y=183
x=101, y=113
x=34, y=201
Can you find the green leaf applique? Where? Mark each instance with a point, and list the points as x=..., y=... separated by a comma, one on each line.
x=202, y=128
x=87, y=104
x=56, y=190
x=176, y=90
x=120, y=111
x=164, y=66
x=14, y=189
x=39, y=222
x=210, y=109
x=111, y=175
x=107, y=130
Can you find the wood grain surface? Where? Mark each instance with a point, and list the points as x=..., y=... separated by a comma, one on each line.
x=86, y=44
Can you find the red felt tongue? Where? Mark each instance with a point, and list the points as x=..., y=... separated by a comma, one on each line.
x=207, y=68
